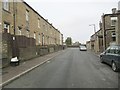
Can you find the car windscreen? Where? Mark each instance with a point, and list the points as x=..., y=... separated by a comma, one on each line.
x=82, y=47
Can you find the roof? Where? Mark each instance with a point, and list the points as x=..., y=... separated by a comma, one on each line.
x=39, y=15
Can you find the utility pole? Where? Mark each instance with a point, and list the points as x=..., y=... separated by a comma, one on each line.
x=95, y=36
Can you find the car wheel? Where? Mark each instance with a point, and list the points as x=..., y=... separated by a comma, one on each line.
x=114, y=67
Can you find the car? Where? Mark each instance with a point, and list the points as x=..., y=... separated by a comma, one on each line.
x=82, y=48
x=111, y=56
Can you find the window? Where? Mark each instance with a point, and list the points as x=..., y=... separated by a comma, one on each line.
x=113, y=21
x=39, y=38
x=6, y=5
x=28, y=35
x=46, y=27
x=43, y=40
x=112, y=50
x=38, y=23
x=19, y=31
x=27, y=15
x=6, y=28
x=108, y=50
x=34, y=35
x=117, y=51
x=113, y=36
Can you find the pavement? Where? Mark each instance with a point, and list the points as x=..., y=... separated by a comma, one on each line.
x=11, y=73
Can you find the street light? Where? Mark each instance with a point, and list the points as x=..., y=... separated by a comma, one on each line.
x=94, y=27
x=95, y=36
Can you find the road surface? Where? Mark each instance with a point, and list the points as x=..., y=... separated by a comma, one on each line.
x=71, y=69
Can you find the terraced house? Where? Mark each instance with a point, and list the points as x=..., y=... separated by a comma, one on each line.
x=24, y=30
x=110, y=27
x=108, y=34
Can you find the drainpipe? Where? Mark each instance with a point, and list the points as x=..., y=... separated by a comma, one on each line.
x=104, y=32
x=14, y=19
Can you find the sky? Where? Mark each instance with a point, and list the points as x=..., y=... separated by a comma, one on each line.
x=73, y=17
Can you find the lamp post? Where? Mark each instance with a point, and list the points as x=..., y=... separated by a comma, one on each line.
x=94, y=34
x=94, y=27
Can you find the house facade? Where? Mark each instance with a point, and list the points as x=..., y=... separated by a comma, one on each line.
x=110, y=28
x=21, y=19
x=108, y=33
x=25, y=33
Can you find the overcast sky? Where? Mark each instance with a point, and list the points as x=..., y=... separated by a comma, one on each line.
x=72, y=17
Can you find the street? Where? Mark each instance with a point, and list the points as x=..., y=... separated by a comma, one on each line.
x=71, y=69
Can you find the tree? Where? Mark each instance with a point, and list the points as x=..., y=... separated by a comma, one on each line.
x=68, y=41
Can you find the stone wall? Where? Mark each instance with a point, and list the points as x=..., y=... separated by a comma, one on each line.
x=27, y=53
x=22, y=47
x=5, y=49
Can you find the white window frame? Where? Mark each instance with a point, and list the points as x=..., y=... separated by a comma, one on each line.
x=46, y=27
x=19, y=31
x=28, y=34
x=113, y=21
x=6, y=5
x=38, y=23
x=27, y=15
x=34, y=35
x=39, y=39
x=43, y=39
x=113, y=33
x=7, y=26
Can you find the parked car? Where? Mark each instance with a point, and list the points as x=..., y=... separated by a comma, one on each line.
x=112, y=57
x=82, y=48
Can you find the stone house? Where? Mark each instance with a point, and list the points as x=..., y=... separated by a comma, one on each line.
x=25, y=33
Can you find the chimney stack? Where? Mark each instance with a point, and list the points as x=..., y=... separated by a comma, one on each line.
x=114, y=10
